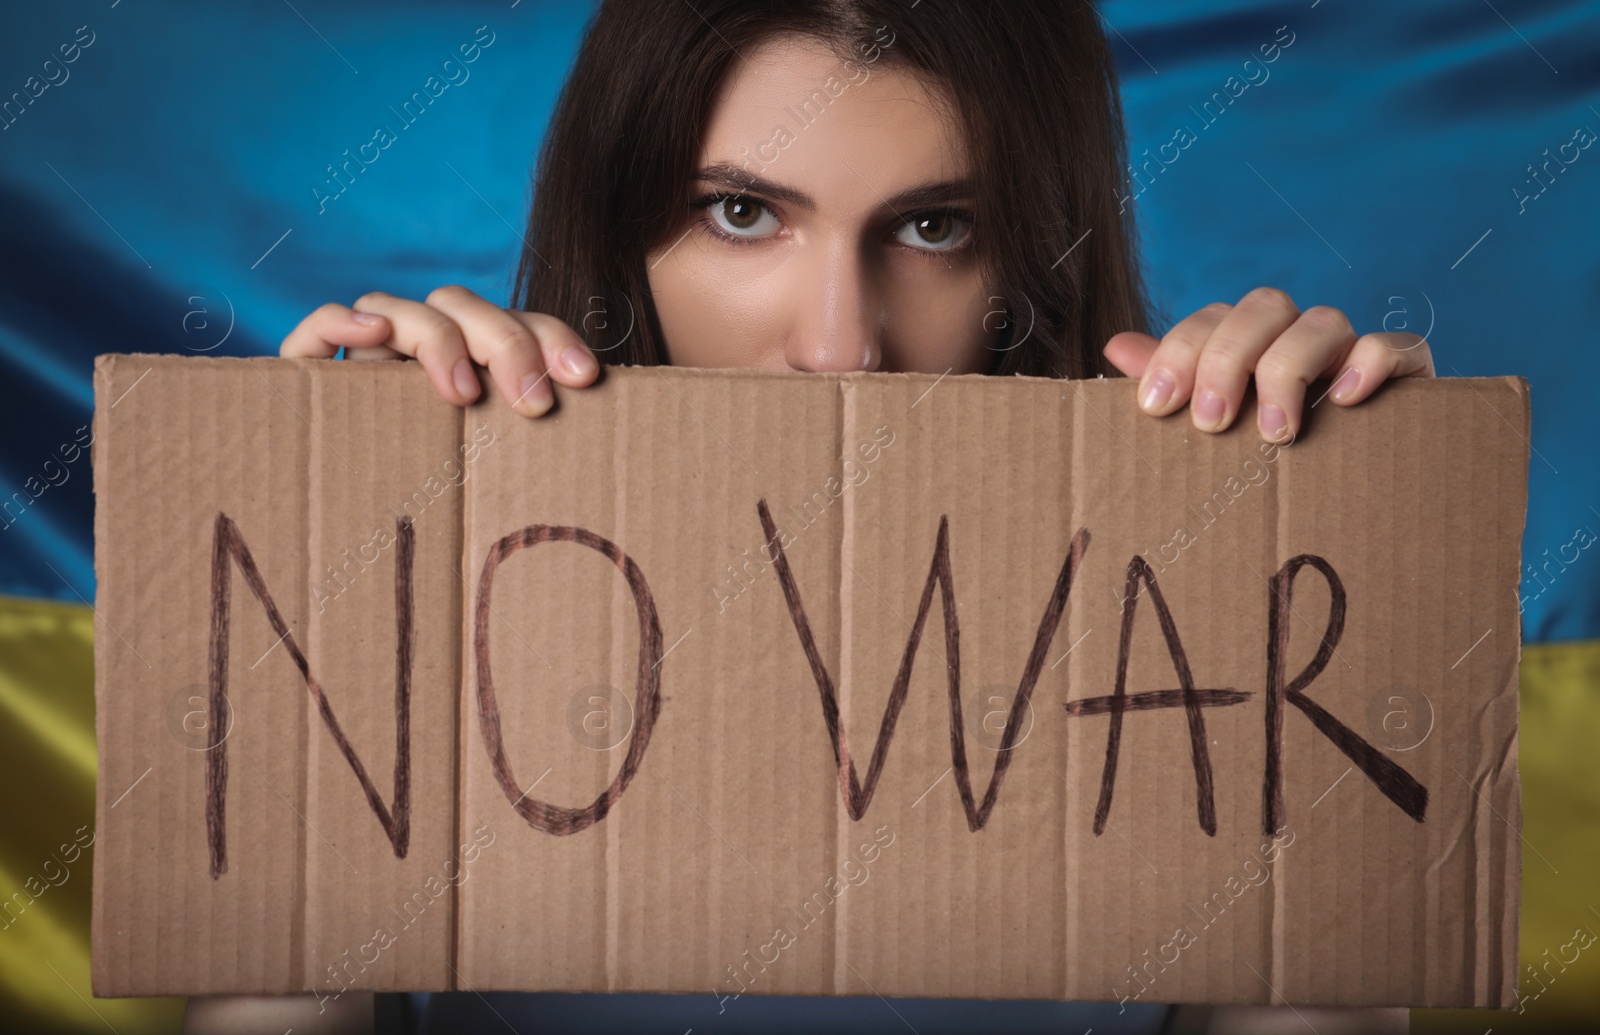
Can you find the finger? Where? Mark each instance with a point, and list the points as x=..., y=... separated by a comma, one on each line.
x=1230, y=355
x=523, y=351
x=1130, y=352
x=568, y=358
x=375, y=352
x=1169, y=373
x=1316, y=343
x=430, y=337
x=1375, y=359
x=500, y=342
x=330, y=327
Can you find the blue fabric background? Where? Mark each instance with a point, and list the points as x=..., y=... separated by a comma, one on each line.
x=161, y=198
x=141, y=194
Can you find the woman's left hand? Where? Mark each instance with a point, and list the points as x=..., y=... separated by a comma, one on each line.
x=1209, y=357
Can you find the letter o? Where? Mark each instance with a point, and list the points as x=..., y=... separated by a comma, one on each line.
x=541, y=815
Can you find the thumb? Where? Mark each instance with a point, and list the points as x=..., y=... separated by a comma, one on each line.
x=1130, y=351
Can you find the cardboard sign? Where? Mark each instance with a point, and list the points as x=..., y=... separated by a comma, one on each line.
x=731, y=683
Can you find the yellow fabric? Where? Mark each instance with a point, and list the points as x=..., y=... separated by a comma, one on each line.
x=1558, y=749
x=47, y=765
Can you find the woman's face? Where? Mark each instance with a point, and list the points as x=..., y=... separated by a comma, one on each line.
x=830, y=229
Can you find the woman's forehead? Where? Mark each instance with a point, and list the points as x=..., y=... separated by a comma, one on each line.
x=847, y=132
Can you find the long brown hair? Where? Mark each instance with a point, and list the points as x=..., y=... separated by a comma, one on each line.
x=1034, y=90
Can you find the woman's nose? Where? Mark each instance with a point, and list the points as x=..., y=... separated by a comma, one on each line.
x=837, y=318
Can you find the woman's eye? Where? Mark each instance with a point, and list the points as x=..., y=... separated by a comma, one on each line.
x=743, y=217
x=934, y=231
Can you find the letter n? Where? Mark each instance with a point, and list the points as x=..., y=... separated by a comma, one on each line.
x=227, y=549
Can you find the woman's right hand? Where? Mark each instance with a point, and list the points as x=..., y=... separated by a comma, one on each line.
x=449, y=332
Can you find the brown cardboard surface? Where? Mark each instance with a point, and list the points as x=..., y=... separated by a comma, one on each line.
x=647, y=751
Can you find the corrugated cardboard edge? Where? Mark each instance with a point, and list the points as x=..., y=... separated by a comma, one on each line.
x=1511, y=912
x=463, y=727
x=99, y=944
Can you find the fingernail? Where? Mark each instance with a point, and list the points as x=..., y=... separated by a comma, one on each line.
x=1208, y=409
x=1346, y=385
x=465, y=380
x=535, y=397
x=369, y=319
x=1273, y=422
x=578, y=360
x=1158, y=391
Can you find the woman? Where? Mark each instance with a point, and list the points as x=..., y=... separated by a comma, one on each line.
x=844, y=185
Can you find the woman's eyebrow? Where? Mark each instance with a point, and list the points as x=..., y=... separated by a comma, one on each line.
x=731, y=177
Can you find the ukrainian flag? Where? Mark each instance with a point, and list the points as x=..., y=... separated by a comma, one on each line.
x=158, y=192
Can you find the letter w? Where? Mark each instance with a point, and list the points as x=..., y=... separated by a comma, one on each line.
x=227, y=544
x=858, y=796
